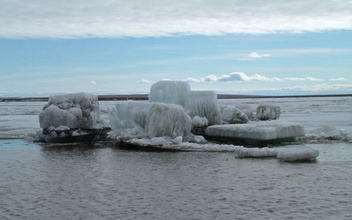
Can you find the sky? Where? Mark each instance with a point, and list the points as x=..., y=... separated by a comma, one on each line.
x=249, y=47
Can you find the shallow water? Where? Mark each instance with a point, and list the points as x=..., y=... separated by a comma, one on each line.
x=101, y=181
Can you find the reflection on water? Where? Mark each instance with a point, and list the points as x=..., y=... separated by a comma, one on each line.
x=101, y=181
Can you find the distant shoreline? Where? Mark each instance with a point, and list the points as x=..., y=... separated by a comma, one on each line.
x=141, y=97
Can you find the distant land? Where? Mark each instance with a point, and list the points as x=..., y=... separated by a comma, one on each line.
x=141, y=97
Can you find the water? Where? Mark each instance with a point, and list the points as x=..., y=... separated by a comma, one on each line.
x=102, y=181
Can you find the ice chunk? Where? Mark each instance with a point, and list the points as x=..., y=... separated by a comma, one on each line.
x=199, y=121
x=204, y=104
x=255, y=152
x=130, y=115
x=172, y=92
x=294, y=154
x=291, y=153
x=78, y=110
x=168, y=120
x=177, y=140
x=257, y=131
x=233, y=115
x=166, y=144
x=268, y=112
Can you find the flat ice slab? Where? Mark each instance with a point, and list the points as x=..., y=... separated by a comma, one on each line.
x=255, y=132
x=162, y=144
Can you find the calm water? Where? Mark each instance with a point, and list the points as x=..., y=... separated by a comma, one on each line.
x=101, y=181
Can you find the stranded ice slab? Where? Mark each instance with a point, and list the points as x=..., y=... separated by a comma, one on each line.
x=172, y=92
x=168, y=120
x=204, y=104
x=79, y=110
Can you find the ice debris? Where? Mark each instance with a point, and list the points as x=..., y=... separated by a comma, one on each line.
x=292, y=153
x=233, y=115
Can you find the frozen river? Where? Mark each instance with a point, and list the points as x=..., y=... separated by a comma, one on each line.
x=101, y=181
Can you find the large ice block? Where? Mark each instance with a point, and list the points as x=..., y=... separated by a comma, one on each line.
x=170, y=92
x=204, y=104
x=255, y=132
x=78, y=110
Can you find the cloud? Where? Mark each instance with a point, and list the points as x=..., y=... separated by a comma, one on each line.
x=242, y=77
x=144, y=81
x=233, y=77
x=92, y=83
x=139, y=18
x=339, y=79
x=303, y=79
x=256, y=55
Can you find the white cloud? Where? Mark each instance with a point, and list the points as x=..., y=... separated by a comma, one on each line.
x=92, y=83
x=256, y=55
x=241, y=77
x=339, y=79
x=303, y=79
x=144, y=81
x=138, y=18
x=233, y=77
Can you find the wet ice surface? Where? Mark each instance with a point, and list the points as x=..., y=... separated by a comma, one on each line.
x=100, y=181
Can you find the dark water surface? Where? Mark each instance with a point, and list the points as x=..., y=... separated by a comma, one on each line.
x=98, y=181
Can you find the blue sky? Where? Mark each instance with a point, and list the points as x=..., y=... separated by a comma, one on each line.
x=237, y=47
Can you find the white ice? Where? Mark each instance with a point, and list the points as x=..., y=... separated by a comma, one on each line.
x=170, y=92
x=292, y=153
x=167, y=144
x=78, y=110
x=260, y=130
x=204, y=104
x=233, y=115
x=130, y=115
x=168, y=120
x=199, y=121
x=268, y=112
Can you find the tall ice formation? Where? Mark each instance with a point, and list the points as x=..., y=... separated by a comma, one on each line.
x=78, y=110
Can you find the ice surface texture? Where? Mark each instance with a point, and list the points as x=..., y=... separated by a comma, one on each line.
x=256, y=131
x=150, y=119
x=268, y=112
x=168, y=120
x=78, y=110
x=171, y=92
x=233, y=115
x=293, y=153
x=129, y=115
x=204, y=104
